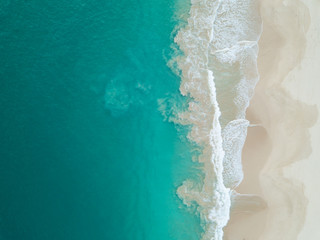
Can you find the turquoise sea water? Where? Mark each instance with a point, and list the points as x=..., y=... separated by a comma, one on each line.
x=85, y=152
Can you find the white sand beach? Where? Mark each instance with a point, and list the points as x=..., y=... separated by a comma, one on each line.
x=281, y=157
x=304, y=85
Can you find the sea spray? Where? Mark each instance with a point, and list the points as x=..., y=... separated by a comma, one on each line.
x=218, y=69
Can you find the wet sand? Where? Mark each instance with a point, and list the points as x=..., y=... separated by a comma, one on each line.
x=279, y=156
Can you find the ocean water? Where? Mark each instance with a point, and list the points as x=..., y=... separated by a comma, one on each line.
x=86, y=150
x=123, y=119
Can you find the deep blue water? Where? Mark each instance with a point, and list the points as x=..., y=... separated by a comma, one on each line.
x=85, y=152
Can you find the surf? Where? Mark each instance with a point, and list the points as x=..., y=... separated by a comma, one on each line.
x=217, y=63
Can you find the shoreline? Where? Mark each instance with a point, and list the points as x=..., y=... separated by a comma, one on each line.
x=283, y=139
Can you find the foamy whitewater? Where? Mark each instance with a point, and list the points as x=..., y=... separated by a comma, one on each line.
x=218, y=72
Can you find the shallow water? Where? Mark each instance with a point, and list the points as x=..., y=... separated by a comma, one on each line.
x=218, y=66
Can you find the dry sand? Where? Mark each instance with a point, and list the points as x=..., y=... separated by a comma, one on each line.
x=281, y=157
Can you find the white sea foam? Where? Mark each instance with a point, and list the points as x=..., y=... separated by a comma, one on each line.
x=219, y=73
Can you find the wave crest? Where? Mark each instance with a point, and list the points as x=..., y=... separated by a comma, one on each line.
x=218, y=72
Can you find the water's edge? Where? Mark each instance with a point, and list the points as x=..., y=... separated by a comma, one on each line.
x=218, y=69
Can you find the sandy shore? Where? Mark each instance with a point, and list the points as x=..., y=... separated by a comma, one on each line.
x=280, y=158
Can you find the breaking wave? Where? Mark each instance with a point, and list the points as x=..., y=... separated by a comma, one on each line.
x=218, y=69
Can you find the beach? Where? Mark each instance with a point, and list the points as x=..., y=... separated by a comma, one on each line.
x=160, y=120
x=280, y=154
